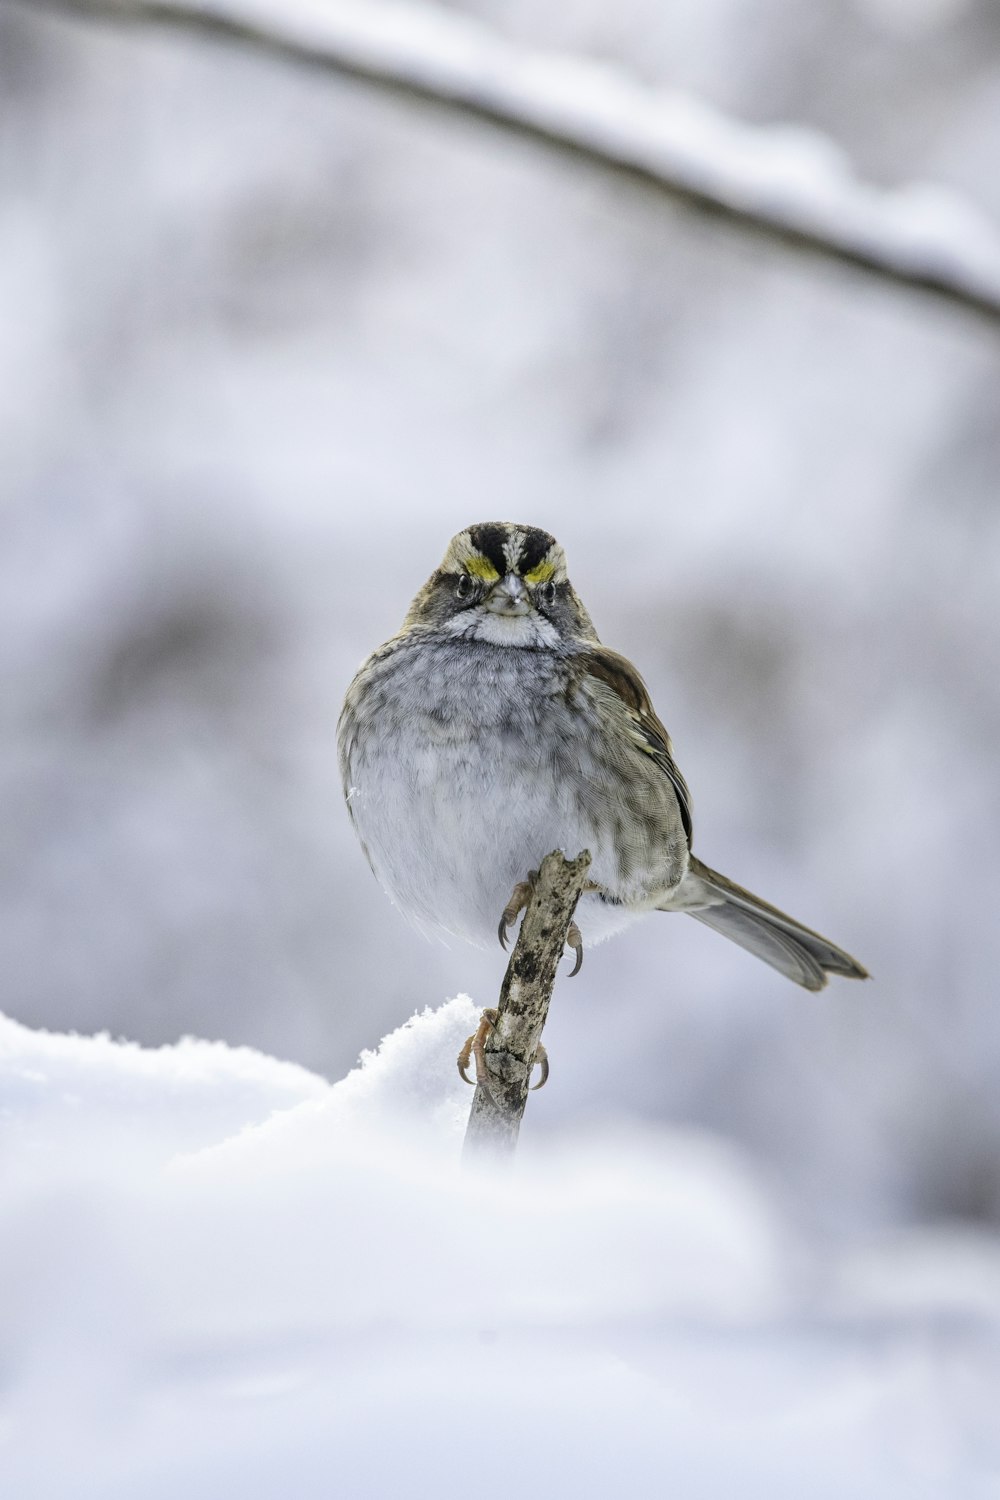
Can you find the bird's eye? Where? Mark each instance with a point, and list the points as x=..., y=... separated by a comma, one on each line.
x=463, y=587
x=547, y=593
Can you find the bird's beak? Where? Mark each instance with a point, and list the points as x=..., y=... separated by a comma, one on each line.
x=509, y=597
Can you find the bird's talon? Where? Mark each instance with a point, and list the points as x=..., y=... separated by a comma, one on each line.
x=542, y=1059
x=474, y=1048
x=465, y=1057
x=519, y=898
x=575, y=941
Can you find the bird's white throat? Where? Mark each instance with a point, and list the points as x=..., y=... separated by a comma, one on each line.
x=507, y=630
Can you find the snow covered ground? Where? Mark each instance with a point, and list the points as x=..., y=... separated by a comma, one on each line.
x=224, y=1276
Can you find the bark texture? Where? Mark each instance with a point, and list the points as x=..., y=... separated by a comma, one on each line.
x=495, y=1119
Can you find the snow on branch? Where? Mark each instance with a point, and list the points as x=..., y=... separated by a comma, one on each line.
x=788, y=183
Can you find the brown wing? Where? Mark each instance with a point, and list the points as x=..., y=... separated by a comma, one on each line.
x=618, y=673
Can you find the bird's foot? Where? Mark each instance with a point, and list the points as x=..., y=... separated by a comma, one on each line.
x=474, y=1049
x=519, y=898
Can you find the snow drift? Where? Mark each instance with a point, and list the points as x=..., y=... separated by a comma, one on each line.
x=224, y=1275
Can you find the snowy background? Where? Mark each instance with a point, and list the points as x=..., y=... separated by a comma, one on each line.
x=268, y=340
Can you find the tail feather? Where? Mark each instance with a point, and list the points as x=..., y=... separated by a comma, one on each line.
x=795, y=951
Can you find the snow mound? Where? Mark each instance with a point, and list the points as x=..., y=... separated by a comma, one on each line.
x=226, y=1276
x=165, y=1098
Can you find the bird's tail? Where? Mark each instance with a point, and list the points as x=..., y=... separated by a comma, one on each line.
x=779, y=940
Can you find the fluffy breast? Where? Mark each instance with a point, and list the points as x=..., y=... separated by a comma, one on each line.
x=465, y=763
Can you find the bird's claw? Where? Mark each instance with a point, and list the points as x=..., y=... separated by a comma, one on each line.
x=474, y=1049
x=574, y=940
x=541, y=1057
x=519, y=898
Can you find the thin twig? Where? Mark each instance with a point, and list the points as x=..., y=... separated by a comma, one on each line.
x=800, y=196
x=497, y=1109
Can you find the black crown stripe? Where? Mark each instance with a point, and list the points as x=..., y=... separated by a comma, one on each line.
x=534, y=547
x=488, y=538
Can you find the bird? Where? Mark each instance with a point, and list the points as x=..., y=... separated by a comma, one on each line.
x=495, y=727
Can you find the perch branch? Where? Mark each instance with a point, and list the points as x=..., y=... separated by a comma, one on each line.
x=495, y=1119
x=788, y=185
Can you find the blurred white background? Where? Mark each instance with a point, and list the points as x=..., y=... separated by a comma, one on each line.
x=269, y=339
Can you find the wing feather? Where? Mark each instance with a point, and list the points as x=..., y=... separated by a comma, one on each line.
x=618, y=673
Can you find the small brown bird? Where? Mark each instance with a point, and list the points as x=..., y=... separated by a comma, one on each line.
x=495, y=727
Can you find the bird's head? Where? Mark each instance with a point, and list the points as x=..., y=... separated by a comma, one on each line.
x=504, y=584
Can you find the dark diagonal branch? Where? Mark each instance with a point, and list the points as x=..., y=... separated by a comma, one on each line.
x=788, y=185
x=497, y=1108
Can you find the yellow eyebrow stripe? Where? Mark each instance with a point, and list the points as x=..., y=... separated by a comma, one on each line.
x=541, y=574
x=481, y=567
